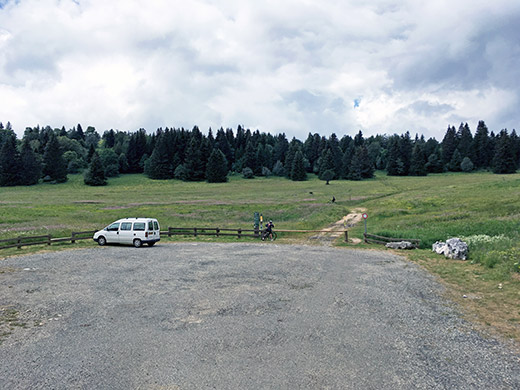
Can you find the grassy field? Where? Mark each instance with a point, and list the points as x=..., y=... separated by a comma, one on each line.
x=482, y=207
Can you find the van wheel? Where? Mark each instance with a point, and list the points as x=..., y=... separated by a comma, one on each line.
x=138, y=243
x=152, y=243
x=102, y=241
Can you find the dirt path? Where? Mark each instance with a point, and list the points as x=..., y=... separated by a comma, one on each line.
x=337, y=228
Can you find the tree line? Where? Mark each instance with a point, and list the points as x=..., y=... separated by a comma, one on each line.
x=48, y=155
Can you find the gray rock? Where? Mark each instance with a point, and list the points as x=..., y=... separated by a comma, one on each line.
x=400, y=245
x=454, y=248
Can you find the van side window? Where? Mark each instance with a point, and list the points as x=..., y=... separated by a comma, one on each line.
x=139, y=226
x=150, y=225
x=155, y=225
x=126, y=226
x=113, y=228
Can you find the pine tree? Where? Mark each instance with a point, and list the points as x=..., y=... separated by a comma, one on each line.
x=405, y=152
x=95, y=175
x=466, y=165
x=159, y=166
x=217, y=168
x=278, y=169
x=465, y=141
x=347, y=160
x=481, y=146
x=10, y=163
x=449, y=144
x=394, y=163
x=434, y=164
x=193, y=162
x=31, y=166
x=298, y=168
x=456, y=160
x=418, y=163
x=326, y=163
x=361, y=166
x=504, y=158
x=327, y=175
x=54, y=168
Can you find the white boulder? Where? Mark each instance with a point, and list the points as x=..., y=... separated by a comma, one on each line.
x=454, y=248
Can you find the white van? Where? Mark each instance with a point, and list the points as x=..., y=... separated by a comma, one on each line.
x=133, y=231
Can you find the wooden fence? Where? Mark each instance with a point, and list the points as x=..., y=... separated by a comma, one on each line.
x=198, y=231
x=46, y=239
x=373, y=239
x=201, y=231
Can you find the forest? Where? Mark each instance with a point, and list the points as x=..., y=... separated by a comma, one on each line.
x=48, y=155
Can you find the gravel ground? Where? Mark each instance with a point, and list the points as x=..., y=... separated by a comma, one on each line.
x=238, y=316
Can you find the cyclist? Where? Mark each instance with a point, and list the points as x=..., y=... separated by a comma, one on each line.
x=268, y=232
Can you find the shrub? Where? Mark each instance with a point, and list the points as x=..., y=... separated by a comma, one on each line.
x=247, y=173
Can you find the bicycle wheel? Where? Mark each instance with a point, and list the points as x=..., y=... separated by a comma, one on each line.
x=274, y=235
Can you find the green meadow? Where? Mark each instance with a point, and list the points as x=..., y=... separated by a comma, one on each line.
x=429, y=208
x=482, y=207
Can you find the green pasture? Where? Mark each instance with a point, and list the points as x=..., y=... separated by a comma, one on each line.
x=429, y=208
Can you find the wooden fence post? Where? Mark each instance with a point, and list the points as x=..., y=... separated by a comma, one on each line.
x=218, y=231
x=239, y=233
x=19, y=242
x=195, y=232
x=48, y=239
x=346, y=235
x=169, y=231
x=72, y=239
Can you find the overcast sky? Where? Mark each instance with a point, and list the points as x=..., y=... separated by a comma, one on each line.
x=275, y=65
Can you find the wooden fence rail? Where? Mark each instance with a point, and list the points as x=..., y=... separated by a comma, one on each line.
x=46, y=239
x=373, y=239
x=198, y=231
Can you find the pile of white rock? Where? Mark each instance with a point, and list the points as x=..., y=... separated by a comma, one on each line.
x=454, y=248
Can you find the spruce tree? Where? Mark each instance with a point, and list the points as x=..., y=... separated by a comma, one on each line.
x=449, y=144
x=405, y=152
x=465, y=141
x=456, y=160
x=327, y=175
x=217, y=168
x=481, y=146
x=434, y=164
x=193, y=162
x=298, y=168
x=393, y=167
x=95, y=175
x=418, y=164
x=54, y=167
x=159, y=166
x=31, y=166
x=326, y=163
x=361, y=166
x=504, y=158
x=346, y=160
x=10, y=163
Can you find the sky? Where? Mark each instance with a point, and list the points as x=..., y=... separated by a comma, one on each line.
x=325, y=66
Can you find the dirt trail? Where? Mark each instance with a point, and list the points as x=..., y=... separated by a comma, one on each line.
x=336, y=229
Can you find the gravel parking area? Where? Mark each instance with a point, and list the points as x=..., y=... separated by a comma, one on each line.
x=237, y=316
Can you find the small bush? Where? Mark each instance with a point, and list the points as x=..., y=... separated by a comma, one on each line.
x=247, y=173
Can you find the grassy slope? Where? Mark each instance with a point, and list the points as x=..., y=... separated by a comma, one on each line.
x=429, y=208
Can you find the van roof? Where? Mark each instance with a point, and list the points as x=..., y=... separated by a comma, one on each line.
x=136, y=219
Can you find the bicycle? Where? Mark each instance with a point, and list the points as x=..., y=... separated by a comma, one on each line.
x=265, y=235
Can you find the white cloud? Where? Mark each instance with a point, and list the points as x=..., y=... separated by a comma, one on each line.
x=286, y=65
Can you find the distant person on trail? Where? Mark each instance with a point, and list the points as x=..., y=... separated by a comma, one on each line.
x=333, y=199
